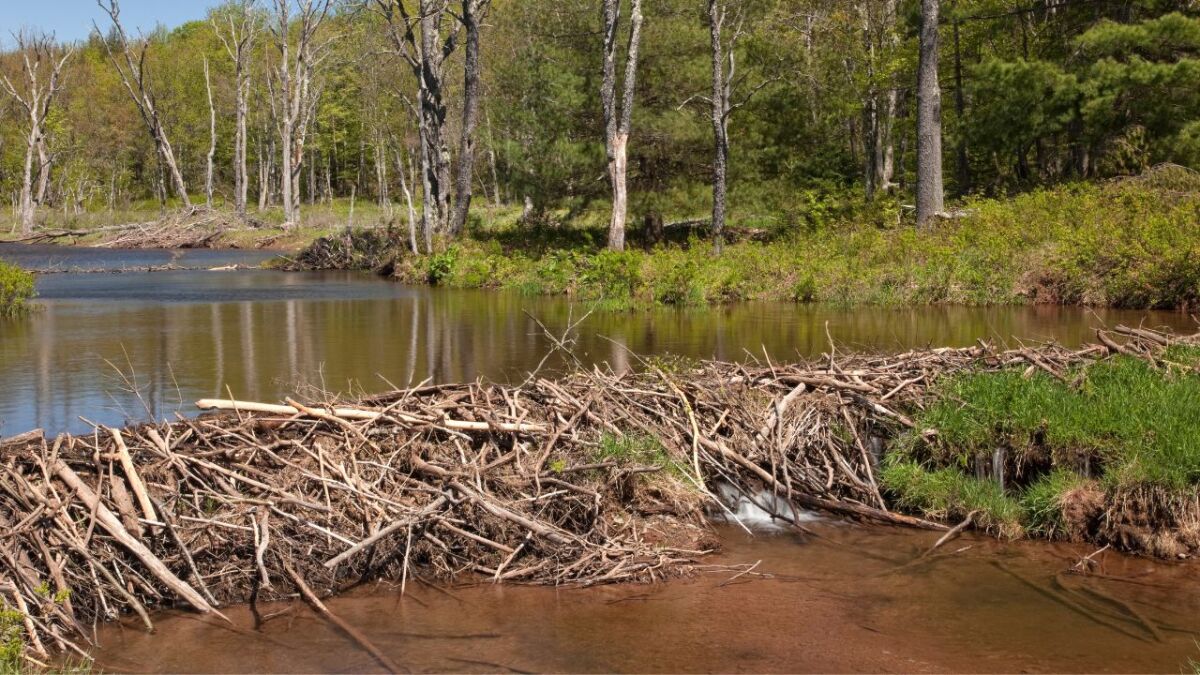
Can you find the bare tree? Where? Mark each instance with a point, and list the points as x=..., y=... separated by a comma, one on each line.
x=238, y=35
x=39, y=54
x=212, y=139
x=929, y=119
x=134, y=76
x=619, y=121
x=419, y=40
x=472, y=13
x=295, y=90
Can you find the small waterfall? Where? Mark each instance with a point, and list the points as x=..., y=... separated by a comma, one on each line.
x=761, y=510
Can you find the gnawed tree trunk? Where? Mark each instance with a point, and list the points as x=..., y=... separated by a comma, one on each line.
x=618, y=121
x=38, y=54
x=295, y=90
x=238, y=36
x=472, y=14
x=930, y=197
x=136, y=81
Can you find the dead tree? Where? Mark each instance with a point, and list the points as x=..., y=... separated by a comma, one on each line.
x=929, y=119
x=212, y=139
x=38, y=54
x=472, y=13
x=238, y=35
x=294, y=90
x=134, y=76
x=618, y=120
x=419, y=40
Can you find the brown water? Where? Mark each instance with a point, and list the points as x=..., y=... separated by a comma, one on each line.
x=178, y=336
x=847, y=600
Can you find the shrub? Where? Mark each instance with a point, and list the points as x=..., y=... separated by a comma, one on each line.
x=16, y=289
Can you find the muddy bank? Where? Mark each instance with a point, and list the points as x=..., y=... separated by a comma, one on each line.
x=849, y=599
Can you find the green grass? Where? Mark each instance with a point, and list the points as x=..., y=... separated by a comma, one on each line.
x=16, y=290
x=1131, y=424
x=1128, y=244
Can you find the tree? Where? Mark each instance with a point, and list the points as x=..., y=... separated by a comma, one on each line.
x=238, y=33
x=618, y=120
x=472, y=13
x=38, y=54
x=295, y=91
x=929, y=119
x=135, y=77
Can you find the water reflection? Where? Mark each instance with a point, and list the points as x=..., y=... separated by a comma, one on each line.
x=178, y=336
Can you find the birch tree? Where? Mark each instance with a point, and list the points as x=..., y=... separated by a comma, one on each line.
x=42, y=64
x=135, y=78
x=618, y=115
x=238, y=33
x=212, y=138
x=880, y=40
x=929, y=119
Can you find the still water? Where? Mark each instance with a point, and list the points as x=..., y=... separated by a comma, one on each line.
x=121, y=347
x=842, y=599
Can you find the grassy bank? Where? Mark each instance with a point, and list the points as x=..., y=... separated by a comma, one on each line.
x=1110, y=453
x=16, y=289
x=1133, y=243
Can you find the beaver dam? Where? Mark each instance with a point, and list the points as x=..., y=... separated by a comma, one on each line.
x=592, y=478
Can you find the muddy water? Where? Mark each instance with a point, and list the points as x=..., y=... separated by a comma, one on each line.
x=847, y=599
x=173, y=337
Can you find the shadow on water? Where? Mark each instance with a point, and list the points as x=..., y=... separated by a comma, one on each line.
x=183, y=335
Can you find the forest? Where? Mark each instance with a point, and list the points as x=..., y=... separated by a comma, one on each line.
x=804, y=107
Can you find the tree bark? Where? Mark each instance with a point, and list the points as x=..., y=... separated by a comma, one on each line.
x=930, y=197
x=618, y=120
x=470, y=18
x=720, y=113
x=212, y=139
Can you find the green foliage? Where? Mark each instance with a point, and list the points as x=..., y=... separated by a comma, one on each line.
x=12, y=641
x=1134, y=423
x=950, y=494
x=1128, y=244
x=16, y=289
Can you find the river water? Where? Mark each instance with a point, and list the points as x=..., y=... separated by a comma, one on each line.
x=109, y=347
x=847, y=599
x=113, y=347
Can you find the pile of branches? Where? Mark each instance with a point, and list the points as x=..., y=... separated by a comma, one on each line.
x=349, y=249
x=594, y=477
x=195, y=227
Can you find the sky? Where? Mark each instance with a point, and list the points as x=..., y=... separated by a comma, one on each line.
x=72, y=20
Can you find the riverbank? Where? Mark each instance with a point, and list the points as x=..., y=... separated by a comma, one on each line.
x=1130, y=243
x=591, y=478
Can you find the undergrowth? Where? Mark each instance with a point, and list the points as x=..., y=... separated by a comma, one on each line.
x=1126, y=244
x=1118, y=425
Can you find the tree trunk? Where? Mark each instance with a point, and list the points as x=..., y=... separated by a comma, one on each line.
x=929, y=120
x=619, y=122
x=212, y=139
x=408, y=202
x=44, y=163
x=466, y=153
x=26, y=210
x=963, y=165
x=720, y=113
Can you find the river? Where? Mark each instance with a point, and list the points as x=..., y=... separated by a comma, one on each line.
x=112, y=347
x=118, y=347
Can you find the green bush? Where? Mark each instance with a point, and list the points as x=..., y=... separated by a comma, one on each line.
x=16, y=289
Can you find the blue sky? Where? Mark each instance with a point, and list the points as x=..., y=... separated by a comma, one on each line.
x=72, y=19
